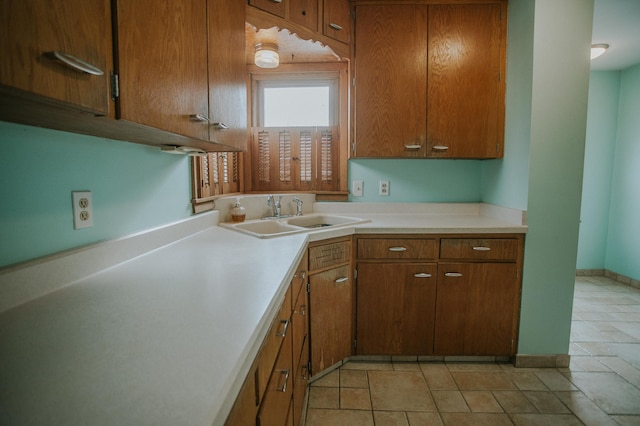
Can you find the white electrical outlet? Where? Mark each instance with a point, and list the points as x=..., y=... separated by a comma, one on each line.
x=82, y=209
x=357, y=188
x=384, y=188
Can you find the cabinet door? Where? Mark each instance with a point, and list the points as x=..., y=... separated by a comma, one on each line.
x=274, y=409
x=465, y=99
x=227, y=74
x=390, y=80
x=162, y=55
x=395, y=308
x=330, y=315
x=277, y=7
x=33, y=29
x=336, y=20
x=300, y=384
x=305, y=13
x=476, y=309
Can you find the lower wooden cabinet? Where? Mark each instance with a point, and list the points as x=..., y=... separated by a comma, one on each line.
x=477, y=309
x=395, y=308
x=274, y=409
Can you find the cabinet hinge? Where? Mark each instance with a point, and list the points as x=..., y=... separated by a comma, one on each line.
x=355, y=344
x=355, y=273
x=308, y=287
x=309, y=368
x=115, y=86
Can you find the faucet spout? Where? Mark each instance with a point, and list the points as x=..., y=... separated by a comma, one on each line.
x=298, y=202
x=275, y=205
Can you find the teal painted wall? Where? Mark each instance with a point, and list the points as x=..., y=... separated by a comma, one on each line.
x=505, y=182
x=134, y=187
x=623, y=246
x=418, y=180
x=602, y=120
x=561, y=44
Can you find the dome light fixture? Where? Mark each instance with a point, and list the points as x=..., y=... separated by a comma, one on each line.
x=267, y=55
x=598, y=49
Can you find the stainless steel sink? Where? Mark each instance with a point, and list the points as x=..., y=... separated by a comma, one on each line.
x=269, y=228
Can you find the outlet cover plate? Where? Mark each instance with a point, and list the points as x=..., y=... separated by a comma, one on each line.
x=82, y=209
x=384, y=188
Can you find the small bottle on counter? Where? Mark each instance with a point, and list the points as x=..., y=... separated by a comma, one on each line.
x=238, y=213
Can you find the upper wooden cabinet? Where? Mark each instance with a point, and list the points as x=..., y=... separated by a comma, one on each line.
x=227, y=74
x=181, y=68
x=58, y=50
x=162, y=65
x=305, y=13
x=337, y=19
x=429, y=80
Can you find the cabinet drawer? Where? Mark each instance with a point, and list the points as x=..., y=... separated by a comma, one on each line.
x=299, y=280
x=329, y=254
x=299, y=326
x=479, y=248
x=272, y=343
x=397, y=248
x=275, y=405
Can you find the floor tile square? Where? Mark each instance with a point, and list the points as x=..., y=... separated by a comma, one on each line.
x=482, y=380
x=546, y=420
x=438, y=377
x=476, y=419
x=319, y=417
x=424, y=419
x=355, y=399
x=514, y=402
x=390, y=418
x=354, y=379
x=609, y=391
x=482, y=402
x=450, y=402
x=546, y=402
x=321, y=397
x=399, y=391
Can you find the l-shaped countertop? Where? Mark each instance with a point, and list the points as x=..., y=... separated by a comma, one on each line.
x=165, y=331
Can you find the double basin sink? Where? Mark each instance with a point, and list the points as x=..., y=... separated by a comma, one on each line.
x=275, y=227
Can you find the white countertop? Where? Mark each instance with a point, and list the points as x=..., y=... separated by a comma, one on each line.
x=167, y=337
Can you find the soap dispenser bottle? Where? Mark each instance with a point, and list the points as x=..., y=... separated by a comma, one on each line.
x=238, y=213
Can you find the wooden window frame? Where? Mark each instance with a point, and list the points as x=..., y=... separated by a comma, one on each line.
x=339, y=73
x=214, y=175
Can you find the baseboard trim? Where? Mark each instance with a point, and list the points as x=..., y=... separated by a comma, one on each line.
x=623, y=279
x=542, y=361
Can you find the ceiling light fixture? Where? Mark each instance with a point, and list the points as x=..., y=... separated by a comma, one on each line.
x=598, y=49
x=267, y=55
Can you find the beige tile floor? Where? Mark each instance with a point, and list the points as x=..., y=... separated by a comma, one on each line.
x=601, y=387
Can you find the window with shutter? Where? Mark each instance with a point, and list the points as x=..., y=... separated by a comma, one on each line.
x=215, y=174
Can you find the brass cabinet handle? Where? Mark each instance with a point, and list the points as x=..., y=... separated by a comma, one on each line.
x=220, y=125
x=413, y=146
x=335, y=26
x=440, y=147
x=302, y=311
x=75, y=63
x=283, y=333
x=453, y=274
x=482, y=248
x=277, y=1
x=341, y=280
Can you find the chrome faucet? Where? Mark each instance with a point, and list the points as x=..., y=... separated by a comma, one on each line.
x=275, y=205
x=298, y=202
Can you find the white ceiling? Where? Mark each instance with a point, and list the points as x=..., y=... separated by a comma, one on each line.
x=616, y=23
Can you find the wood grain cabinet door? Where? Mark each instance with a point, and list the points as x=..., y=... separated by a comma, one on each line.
x=337, y=20
x=465, y=97
x=330, y=315
x=78, y=31
x=395, y=308
x=227, y=74
x=162, y=57
x=476, y=309
x=390, y=80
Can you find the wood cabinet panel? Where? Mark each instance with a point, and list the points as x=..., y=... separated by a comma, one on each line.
x=327, y=255
x=479, y=248
x=227, y=73
x=477, y=308
x=162, y=64
x=278, y=8
x=398, y=248
x=277, y=398
x=391, y=80
x=305, y=13
x=337, y=20
x=245, y=409
x=300, y=384
x=81, y=28
x=395, y=308
x=465, y=99
x=331, y=317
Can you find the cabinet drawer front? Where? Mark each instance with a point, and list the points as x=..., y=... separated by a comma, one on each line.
x=299, y=325
x=280, y=329
x=479, y=248
x=275, y=405
x=329, y=254
x=397, y=248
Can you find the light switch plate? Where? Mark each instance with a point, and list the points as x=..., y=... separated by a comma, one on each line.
x=357, y=188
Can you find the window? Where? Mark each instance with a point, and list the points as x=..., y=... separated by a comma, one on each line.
x=214, y=174
x=295, y=138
